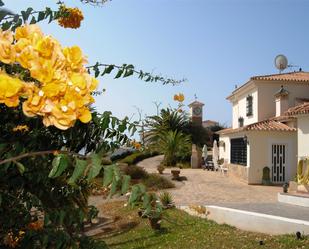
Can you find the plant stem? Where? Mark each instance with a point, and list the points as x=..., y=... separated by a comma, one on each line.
x=41, y=153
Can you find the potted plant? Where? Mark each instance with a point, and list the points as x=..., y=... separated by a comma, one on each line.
x=175, y=173
x=161, y=168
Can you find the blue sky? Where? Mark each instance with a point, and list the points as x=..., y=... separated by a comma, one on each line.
x=215, y=44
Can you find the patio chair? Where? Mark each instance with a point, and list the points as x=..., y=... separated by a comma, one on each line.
x=223, y=167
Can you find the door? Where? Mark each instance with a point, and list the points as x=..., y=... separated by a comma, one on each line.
x=278, y=160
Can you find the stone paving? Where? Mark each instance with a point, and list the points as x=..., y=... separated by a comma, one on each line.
x=212, y=188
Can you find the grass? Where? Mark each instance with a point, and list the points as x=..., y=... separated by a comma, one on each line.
x=180, y=230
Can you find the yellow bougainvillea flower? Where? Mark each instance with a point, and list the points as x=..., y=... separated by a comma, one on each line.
x=21, y=128
x=63, y=88
x=74, y=57
x=7, y=52
x=45, y=47
x=179, y=97
x=72, y=18
x=30, y=32
x=10, y=89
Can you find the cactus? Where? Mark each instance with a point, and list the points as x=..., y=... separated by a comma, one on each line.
x=303, y=177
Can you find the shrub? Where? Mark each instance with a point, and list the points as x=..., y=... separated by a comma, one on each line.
x=156, y=182
x=160, y=168
x=136, y=172
x=137, y=157
x=166, y=199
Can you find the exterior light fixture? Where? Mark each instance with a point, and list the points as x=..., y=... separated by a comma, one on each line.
x=245, y=138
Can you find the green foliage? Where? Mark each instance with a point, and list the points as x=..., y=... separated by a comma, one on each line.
x=182, y=230
x=168, y=120
x=138, y=156
x=166, y=199
x=126, y=70
x=174, y=145
x=9, y=20
x=136, y=172
x=157, y=182
x=199, y=134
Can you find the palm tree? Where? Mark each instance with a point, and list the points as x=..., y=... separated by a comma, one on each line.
x=168, y=120
x=173, y=144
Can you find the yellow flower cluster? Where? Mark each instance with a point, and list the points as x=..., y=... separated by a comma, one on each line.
x=12, y=240
x=72, y=18
x=36, y=225
x=179, y=97
x=21, y=128
x=136, y=145
x=63, y=93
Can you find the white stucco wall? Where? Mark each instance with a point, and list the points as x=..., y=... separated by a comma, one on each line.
x=303, y=135
x=240, y=108
x=224, y=152
x=260, y=153
x=264, y=104
x=267, y=90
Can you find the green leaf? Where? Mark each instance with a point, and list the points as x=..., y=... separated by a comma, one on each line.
x=41, y=16
x=78, y=171
x=108, y=70
x=1, y=3
x=64, y=162
x=33, y=21
x=125, y=184
x=55, y=164
x=128, y=73
x=113, y=188
x=96, y=166
x=6, y=25
x=108, y=175
x=20, y=167
x=118, y=75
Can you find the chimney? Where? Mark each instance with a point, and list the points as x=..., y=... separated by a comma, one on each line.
x=282, y=101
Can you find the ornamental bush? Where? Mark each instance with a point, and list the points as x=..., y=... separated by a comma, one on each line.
x=52, y=142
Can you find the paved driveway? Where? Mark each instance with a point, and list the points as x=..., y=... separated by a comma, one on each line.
x=212, y=188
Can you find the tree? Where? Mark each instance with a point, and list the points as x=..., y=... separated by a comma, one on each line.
x=52, y=141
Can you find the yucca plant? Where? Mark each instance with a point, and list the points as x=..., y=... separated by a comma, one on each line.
x=166, y=200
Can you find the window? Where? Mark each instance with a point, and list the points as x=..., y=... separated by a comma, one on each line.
x=241, y=122
x=239, y=151
x=249, y=105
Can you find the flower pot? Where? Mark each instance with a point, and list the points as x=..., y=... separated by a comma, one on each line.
x=175, y=174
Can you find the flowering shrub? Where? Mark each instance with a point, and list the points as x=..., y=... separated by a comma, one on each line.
x=72, y=19
x=52, y=143
x=60, y=87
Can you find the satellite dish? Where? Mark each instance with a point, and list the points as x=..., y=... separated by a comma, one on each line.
x=281, y=62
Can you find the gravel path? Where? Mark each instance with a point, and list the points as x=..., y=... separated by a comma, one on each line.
x=212, y=188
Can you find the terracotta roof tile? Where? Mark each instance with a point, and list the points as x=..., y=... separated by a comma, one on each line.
x=293, y=76
x=266, y=125
x=299, y=109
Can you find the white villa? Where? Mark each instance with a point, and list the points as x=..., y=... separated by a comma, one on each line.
x=270, y=127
